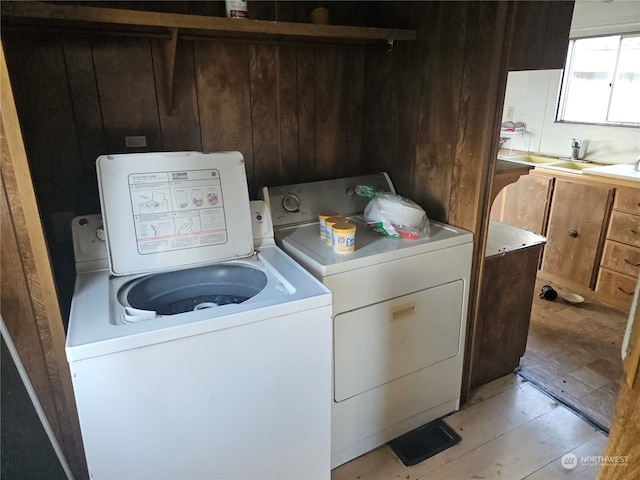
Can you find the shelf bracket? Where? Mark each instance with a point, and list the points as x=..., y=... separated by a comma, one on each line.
x=389, y=44
x=170, y=48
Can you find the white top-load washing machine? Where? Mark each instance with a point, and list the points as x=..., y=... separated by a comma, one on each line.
x=399, y=312
x=197, y=349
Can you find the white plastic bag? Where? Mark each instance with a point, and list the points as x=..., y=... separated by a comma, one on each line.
x=393, y=215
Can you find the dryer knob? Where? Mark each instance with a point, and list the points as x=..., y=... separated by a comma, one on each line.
x=291, y=203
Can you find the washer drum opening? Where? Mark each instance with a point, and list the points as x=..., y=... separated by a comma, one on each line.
x=183, y=291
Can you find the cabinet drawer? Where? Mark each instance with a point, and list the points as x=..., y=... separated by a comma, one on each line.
x=624, y=228
x=627, y=201
x=621, y=258
x=616, y=287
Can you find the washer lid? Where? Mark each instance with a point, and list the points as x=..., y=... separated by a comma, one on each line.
x=167, y=210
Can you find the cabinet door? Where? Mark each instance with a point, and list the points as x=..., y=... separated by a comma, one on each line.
x=526, y=203
x=575, y=231
x=541, y=35
x=506, y=295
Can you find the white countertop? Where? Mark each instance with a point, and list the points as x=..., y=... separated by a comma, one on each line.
x=623, y=171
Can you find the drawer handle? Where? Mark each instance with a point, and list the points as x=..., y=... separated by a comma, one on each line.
x=401, y=311
x=624, y=291
x=573, y=233
x=635, y=231
x=631, y=263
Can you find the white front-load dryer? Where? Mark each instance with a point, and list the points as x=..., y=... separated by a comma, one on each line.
x=196, y=350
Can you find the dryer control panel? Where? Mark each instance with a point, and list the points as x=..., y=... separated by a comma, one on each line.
x=303, y=202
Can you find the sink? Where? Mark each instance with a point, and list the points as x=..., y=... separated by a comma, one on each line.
x=529, y=159
x=575, y=167
x=554, y=163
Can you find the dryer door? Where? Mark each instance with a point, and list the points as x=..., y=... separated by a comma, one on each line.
x=380, y=343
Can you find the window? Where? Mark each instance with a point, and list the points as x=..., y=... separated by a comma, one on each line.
x=601, y=82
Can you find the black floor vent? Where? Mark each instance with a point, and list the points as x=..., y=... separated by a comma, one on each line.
x=424, y=442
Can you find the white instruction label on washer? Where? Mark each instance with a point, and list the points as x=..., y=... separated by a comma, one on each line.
x=177, y=210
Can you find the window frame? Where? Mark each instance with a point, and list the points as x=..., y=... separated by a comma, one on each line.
x=564, y=84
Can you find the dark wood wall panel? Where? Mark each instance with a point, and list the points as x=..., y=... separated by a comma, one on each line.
x=125, y=78
x=265, y=101
x=439, y=107
x=332, y=132
x=83, y=90
x=222, y=75
x=40, y=87
x=306, y=74
x=355, y=96
x=290, y=165
x=180, y=127
x=477, y=123
x=379, y=112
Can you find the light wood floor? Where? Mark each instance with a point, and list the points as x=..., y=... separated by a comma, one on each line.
x=573, y=352
x=509, y=429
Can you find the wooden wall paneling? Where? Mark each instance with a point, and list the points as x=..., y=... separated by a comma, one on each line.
x=170, y=7
x=274, y=115
x=439, y=107
x=380, y=113
x=485, y=53
x=42, y=94
x=392, y=92
x=306, y=91
x=264, y=75
x=406, y=69
x=222, y=79
x=332, y=106
x=17, y=309
x=274, y=11
x=393, y=79
x=128, y=98
x=476, y=145
x=180, y=130
x=87, y=114
x=288, y=114
x=355, y=98
x=28, y=294
x=212, y=9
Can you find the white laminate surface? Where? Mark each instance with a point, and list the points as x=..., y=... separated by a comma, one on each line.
x=624, y=171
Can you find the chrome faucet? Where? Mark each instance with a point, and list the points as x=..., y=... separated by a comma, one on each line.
x=577, y=149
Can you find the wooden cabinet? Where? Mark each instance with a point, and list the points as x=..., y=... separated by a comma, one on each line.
x=506, y=295
x=592, y=230
x=525, y=203
x=620, y=266
x=576, y=225
x=541, y=35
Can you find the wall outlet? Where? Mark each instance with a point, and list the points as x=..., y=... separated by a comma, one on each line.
x=509, y=115
x=135, y=141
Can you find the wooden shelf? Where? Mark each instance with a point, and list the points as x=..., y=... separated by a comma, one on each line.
x=171, y=26
x=166, y=23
